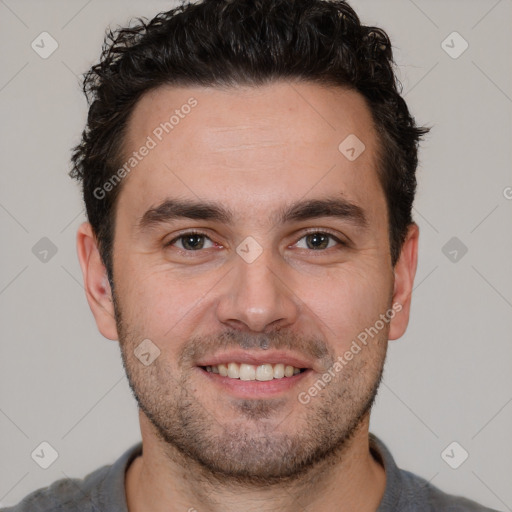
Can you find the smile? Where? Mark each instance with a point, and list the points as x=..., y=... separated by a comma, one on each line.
x=261, y=372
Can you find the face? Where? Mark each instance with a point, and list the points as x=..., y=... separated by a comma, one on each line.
x=245, y=235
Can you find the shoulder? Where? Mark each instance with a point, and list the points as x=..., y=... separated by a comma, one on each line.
x=422, y=495
x=70, y=494
x=102, y=489
x=407, y=492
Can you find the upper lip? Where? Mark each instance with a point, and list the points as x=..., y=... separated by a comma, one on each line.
x=267, y=357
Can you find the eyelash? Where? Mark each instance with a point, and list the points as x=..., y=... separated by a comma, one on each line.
x=311, y=231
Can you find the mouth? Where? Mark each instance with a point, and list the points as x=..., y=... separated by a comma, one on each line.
x=254, y=381
x=261, y=372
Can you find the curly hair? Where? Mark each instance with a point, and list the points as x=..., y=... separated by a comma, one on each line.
x=244, y=42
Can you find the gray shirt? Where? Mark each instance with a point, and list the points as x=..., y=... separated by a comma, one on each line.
x=103, y=490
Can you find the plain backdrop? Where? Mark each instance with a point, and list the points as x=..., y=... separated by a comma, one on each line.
x=447, y=380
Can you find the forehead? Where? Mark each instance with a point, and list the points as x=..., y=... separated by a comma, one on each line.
x=250, y=146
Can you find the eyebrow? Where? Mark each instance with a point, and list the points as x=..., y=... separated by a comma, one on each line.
x=175, y=209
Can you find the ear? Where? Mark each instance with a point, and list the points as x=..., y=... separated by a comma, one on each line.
x=97, y=287
x=405, y=270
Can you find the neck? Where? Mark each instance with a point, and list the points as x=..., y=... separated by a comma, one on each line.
x=163, y=479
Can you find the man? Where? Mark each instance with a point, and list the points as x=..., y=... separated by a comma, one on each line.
x=248, y=169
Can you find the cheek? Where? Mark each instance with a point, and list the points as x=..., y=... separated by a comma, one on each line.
x=162, y=302
x=350, y=301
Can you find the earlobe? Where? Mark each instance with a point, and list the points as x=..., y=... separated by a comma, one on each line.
x=96, y=284
x=405, y=270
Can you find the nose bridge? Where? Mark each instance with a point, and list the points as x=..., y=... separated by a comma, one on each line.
x=257, y=295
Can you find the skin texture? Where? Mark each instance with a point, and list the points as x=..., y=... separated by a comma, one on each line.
x=253, y=150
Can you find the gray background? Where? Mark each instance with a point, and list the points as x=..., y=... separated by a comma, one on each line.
x=448, y=379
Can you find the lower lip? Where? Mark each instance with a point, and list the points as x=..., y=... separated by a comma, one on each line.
x=255, y=388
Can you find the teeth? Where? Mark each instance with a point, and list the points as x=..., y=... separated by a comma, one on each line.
x=278, y=371
x=233, y=370
x=247, y=372
x=261, y=372
x=264, y=372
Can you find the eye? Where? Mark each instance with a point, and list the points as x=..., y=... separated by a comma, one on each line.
x=319, y=240
x=191, y=241
x=194, y=241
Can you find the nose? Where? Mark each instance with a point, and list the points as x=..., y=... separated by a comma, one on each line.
x=257, y=296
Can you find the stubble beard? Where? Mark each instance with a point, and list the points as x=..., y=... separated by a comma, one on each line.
x=262, y=447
